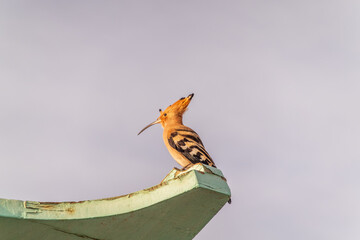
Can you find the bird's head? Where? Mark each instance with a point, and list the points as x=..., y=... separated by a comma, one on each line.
x=173, y=113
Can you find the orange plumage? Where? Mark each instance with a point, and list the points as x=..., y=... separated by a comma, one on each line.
x=183, y=143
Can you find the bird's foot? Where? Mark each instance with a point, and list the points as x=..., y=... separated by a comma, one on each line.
x=186, y=167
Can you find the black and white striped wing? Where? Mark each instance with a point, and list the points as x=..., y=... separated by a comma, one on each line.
x=189, y=144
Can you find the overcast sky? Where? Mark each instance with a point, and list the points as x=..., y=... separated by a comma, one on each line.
x=277, y=92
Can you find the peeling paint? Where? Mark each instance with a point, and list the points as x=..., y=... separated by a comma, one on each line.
x=113, y=218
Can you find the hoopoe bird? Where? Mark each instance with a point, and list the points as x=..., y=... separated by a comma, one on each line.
x=183, y=143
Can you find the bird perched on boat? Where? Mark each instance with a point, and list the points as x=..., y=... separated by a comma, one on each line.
x=183, y=143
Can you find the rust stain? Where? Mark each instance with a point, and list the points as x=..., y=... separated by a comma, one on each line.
x=51, y=206
x=153, y=188
x=47, y=206
x=113, y=198
x=70, y=210
x=56, y=203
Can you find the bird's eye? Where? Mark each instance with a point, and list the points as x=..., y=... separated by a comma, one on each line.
x=165, y=114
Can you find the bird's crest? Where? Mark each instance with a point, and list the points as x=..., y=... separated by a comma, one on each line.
x=177, y=109
x=173, y=112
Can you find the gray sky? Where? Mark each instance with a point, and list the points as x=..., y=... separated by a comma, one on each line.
x=276, y=104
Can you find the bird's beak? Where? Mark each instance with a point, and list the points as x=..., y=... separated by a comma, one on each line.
x=153, y=123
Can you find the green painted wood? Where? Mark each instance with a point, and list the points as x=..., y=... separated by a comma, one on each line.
x=178, y=208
